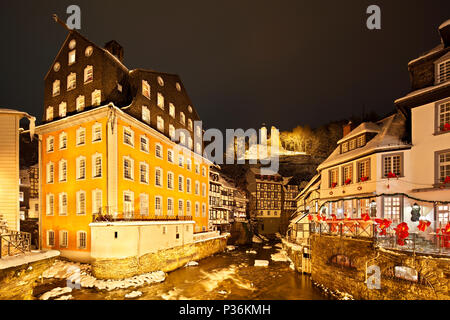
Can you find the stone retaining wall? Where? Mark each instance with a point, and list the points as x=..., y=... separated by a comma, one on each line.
x=350, y=274
x=165, y=260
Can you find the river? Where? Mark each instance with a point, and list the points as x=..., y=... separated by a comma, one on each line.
x=226, y=276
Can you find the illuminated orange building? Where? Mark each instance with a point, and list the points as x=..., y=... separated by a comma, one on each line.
x=116, y=145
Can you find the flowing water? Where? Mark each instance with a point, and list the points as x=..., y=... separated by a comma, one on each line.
x=226, y=276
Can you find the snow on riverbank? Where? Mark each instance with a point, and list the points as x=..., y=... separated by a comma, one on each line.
x=79, y=274
x=336, y=294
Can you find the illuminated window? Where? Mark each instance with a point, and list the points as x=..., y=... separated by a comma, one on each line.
x=172, y=132
x=81, y=202
x=81, y=239
x=72, y=44
x=182, y=138
x=96, y=98
x=50, y=172
x=443, y=168
x=50, y=238
x=190, y=125
x=144, y=144
x=160, y=100
x=158, y=151
x=128, y=137
x=178, y=86
x=363, y=170
x=145, y=89
x=443, y=71
x=160, y=124
x=145, y=114
x=88, y=74
x=50, y=144
x=56, y=88
x=62, y=171
x=444, y=114
x=63, y=109
x=333, y=177
x=160, y=81
x=128, y=171
x=392, y=164
x=172, y=110
x=64, y=235
x=71, y=81
x=182, y=118
x=72, y=57
x=80, y=103
x=88, y=52
x=49, y=114
x=443, y=215
x=97, y=166
x=198, y=147
x=97, y=132
x=97, y=201
x=190, y=143
x=63, y=141
x=393, y=209
x=347, y=174
x=361, y=141
x=344, y=147
x=143, y=204
x=81, y=136
x=63, y=204
x=81, y=168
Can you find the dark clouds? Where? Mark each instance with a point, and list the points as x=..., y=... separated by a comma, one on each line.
x=244, y=63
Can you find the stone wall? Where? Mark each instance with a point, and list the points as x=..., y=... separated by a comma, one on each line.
x=240, y=234
x=347, y=273
x=17, y=283
x=165, y=260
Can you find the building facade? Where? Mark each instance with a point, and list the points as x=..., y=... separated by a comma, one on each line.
x=116, y=145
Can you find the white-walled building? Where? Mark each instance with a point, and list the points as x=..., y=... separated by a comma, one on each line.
x=9, y=166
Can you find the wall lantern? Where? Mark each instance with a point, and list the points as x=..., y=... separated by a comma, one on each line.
x=373, y=208
x=415, y=212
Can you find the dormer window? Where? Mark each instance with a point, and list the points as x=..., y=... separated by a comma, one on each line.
x=71, y=81
x=361, y=141
x=72, y=57
x=56, y=88
x=88, y=74
x=443, y=110
x=443, y=72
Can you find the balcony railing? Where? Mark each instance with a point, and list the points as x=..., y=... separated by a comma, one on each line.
x=13, y=242
x=345, y=228
x=132, y=216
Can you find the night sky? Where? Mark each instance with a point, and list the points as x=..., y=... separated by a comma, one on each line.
x=244, y=63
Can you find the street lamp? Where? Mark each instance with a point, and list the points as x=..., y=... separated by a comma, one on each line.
x=373, y=208
x=415, y=212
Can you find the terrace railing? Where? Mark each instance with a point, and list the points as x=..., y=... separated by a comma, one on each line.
x=133, y=216
x=13, y=243
x=345, y=228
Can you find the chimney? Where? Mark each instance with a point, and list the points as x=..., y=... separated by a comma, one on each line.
x=347, y=128
x=444, y=31
x=115, y=49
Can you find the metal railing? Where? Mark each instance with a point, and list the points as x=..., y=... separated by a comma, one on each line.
x=13, y=242
x=132, y=216
x=349, y=228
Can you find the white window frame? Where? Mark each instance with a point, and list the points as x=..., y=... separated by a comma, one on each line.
x=147, y=143
x=50, y=205
x=50, y=172
x=96, y=97
x=131, y=134
x=180, y=207
x=50, y=144
x=172, y=132
x=131, y=168
x=71, y=81
x=82, y=235
x=94, y=132
x=81, y=103
x=128, y=206
x=61, y=173
x=62, y=209
x=62, y=135
x=197, y=188
x=63, y=238
x=78, y=165
x=181, y=185
x=95, y=206
x=146, y=89
x=158, y=211
x=170, y=176
x=145, y=114
x=160, y=100
x=78, y=136
x=144, y=204
x=197, y=209
x=147, y=169
x=203, y=210
x=86, y=73
x=79, y=208
x=161, y=177
x=161, y=155
x=188, y=208
x=94, y=165
x=170, y=155
x=170, y=211
x=189, y=185
x=49, y=244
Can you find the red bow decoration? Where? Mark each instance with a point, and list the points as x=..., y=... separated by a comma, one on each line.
x=348, y=181
x=333, y=216
x=446, y=127
x=383, y=225
x=447, y=229
x=333, y=185
x=402, y=232
x=391, y=175
x=310, y=217
x=365, y=217
x=423, y=225
x=447, y=179
x=319, y=217
x=364, y=179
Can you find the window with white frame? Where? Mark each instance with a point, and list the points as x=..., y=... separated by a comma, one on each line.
x=72, y=57
x=81, y=168
x=443, y=71
x=170, y=180
x=81, y=136
x=443, y=110
x=128, y=165
x=203, y=171
x=188, y=185
x=442, y=215
x=172, y=132
x=49, y=114
x=204, y=210
x=50, y=144
x=96, y=97
x=63, y=141
x=197, y=187
x=71, y=81
x=81, y=202
x=392, y=164
x=172, y=110
x=333, y=177
x=158, y=205
x=50, y=172
x=363, y=170
x=143, y=204
x=97, y=132
x=170, y=211
x=145, y=89
x=180, y=183
x=361, y=141
x=188, y=208
x=189, y=164
x=170, y=156
x=50, y=238
x=128, y=203
x=182, y=138
x=144, y=144
x=197, y=209
x=50, y=204
x=197, y=168
x=81, y=240
x=63, y=204
x=143, y=172
x=128, y=136
x=145, y=114
x=62, y=170
x=443, y=168
x=182, y=118
x=393, y=209
x=62, y=109
x=56, y=88
x=160, y=123
x=181, y=161
x=88, y=74
x=347, y=174
x=160, y=101
x=97, y=166
x=80, y=103
x=203, y=190
x=97, y=201
x=158, y=177
x=190, y=143
x=180, y=207
x=63, y=239
x=158, y=151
